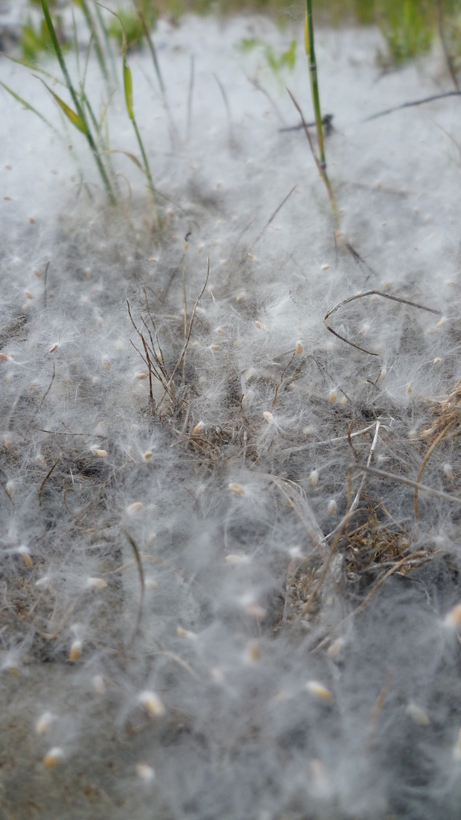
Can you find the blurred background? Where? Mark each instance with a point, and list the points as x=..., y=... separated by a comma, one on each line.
x=408, y=27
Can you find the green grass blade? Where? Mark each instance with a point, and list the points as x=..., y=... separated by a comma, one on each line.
x=310, y=51
x=153, y=52
x=83, y=6
x=107, y=43
x=128, y=86
x=30, y=108
x=34, y=68
x=79, y=111
x=74, y=118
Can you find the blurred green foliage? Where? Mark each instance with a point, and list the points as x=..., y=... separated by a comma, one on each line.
x=408, y=26
x=276, y=62
x=35, y=39
x=132, y=22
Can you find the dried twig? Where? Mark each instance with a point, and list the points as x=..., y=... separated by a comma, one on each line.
x=412, y=104
x=361, y=296
x=141, y=578
x=408, y=481
x=40, y=489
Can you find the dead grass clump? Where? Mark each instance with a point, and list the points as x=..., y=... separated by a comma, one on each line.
x=446, y=421
x=373, y=548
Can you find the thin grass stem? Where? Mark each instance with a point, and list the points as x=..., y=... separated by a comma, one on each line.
x=309, y=45
x=310, y=51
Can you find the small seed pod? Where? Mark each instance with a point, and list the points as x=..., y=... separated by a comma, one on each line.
x=75, y=651
x=99, y=685
x=26, y=557
x=44, y=722
x=236, y=559
x=236, y=488
x=100, y=453
x=135, y=507
x=152, y=704
x=253, y=651
x=418, y=715
x=145, y=772
x=453, y=619
x=53, y=757
x=96, y=583
x=318, y=689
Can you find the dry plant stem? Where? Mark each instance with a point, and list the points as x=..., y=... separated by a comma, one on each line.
x=412, y=104
x=40, y=489
x=269, y=221
x=356, y=500
x=191, y=322
x=226, y=106
x=141, y=578
x=338, y=531
x=395, y=567
x=257, y=85
x=422, y=488
x=426, y=459
x=361, y=296
x=318, y=163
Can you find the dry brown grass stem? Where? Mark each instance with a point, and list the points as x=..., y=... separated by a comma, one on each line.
x=320, y=167
x=141, y=579
x=191, y=323
x=40, y=489
x=409, y=482
x=271, y=219
x=448, y=419
x=338, y=531
x=426, y=459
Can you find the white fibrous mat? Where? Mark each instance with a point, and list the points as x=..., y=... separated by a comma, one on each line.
x=208, y=608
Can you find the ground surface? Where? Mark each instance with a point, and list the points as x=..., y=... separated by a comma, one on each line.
x=186, y=616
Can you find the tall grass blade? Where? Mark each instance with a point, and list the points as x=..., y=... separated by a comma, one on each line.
x=153, y=52
x=79, y=110
x=83, y=6
x=107, y=42
x=128, y=89
x=310, y=51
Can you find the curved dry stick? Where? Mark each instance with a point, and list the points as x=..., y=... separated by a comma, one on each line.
x=426, y=459
x=360, y=296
